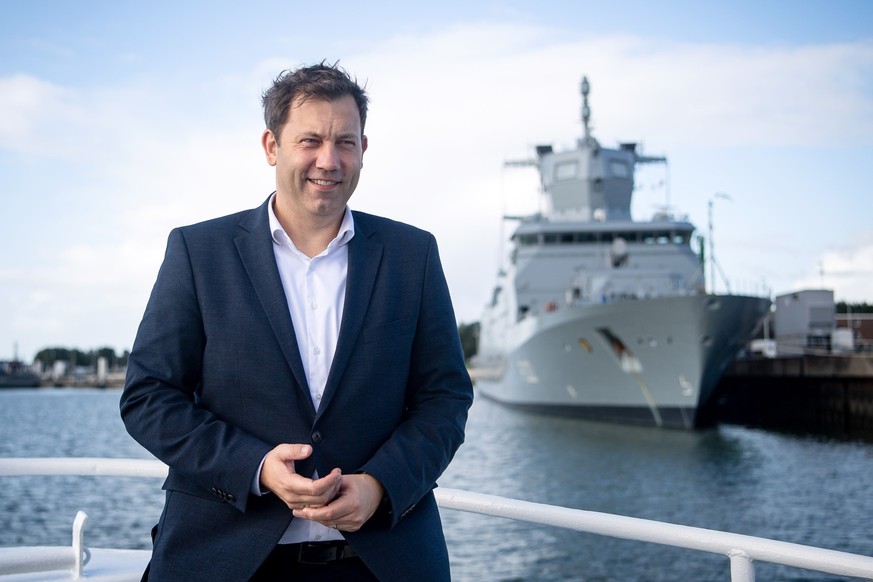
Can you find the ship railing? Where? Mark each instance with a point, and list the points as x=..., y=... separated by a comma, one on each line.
x=623, y=285
x=741, y=550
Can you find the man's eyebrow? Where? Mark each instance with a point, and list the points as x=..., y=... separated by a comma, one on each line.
x=344, y=135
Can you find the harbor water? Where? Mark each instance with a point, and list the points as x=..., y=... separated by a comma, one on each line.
x=803, y=489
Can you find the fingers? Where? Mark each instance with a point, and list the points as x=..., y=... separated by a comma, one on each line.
x=304, y=493
x=279, y=475
x=279, y=463
x=292, y=452
x=358, y=499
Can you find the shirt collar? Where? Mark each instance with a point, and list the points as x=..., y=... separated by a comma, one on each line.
x=280, y=237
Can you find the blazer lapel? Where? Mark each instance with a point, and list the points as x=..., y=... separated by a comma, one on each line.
x=255, y=247
x=365, y=254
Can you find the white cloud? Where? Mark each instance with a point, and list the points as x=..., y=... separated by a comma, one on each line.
x=848, y=270
x=29, y=108
x=736, y=95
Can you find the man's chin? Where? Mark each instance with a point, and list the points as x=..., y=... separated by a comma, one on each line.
x=329, y=208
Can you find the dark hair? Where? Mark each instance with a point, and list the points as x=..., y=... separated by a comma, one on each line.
x=321, y=81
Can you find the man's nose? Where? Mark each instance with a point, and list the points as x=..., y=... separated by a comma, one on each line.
x=328, y=156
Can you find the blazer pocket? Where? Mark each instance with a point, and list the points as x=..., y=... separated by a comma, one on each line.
x=389, y=331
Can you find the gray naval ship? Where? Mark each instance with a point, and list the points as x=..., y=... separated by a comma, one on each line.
x=601, y=316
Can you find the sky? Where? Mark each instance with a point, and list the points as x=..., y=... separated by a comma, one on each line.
x=122, y=120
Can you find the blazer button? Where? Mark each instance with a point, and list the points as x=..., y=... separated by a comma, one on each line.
x=316, y=437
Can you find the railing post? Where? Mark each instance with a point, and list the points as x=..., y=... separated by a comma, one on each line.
x=79, y=544
x=742, y=567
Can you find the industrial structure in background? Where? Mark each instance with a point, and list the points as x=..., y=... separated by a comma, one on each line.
x=815, y=374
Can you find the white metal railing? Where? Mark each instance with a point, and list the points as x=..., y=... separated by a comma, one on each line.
x=84, y=466
x=742, y=550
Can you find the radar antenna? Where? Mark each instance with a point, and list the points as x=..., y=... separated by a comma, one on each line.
x=586, y=110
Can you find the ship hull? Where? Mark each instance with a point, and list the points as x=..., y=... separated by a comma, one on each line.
x=651, y=361
x=19, y=381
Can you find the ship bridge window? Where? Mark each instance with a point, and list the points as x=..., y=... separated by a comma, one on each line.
x=567, y=238
x=566, y=170
x=619, y=169
x=528, y=240
x=659, y=238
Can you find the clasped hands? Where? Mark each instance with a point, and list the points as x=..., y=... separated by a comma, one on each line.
x=345, y=502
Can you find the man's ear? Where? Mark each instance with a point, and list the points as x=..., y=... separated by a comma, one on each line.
x=270, y=145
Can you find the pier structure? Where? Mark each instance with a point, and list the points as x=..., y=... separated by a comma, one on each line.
x=821, y=393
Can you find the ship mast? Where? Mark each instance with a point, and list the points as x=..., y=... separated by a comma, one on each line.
x=586, y=110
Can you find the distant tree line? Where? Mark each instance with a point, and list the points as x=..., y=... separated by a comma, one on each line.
x=76, y=357
x=843, y=307
x=48, y=356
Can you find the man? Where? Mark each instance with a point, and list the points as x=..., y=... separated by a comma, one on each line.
x=299, y=369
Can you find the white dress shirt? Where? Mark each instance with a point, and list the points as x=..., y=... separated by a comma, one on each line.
x=315, y=289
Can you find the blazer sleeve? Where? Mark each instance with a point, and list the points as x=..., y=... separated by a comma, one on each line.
x=159, y=404
x=439, y=394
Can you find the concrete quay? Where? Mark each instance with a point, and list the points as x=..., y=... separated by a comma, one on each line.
x=829, y=394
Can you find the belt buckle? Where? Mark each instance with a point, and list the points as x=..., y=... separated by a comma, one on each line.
x=319, y=553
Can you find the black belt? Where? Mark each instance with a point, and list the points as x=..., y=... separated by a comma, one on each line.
x=315, y=552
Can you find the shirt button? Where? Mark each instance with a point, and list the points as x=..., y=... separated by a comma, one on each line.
x=317, y=351
x=314, y=306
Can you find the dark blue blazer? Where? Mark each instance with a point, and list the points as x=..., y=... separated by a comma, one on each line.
x=215, y=381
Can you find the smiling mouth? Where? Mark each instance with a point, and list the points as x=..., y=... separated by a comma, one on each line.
x=323, y=182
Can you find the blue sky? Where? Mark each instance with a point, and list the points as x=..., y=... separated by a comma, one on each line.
x=119, y=121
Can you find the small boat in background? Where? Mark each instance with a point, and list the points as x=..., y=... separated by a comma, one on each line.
x=15, y=374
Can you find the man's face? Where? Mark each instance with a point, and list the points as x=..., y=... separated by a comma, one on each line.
x=318, y=158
